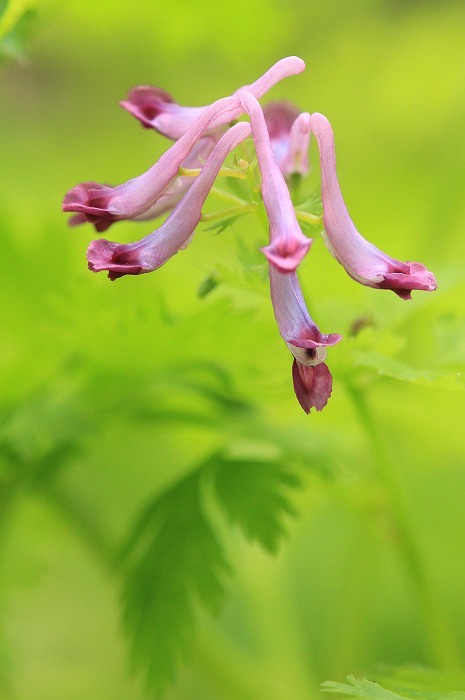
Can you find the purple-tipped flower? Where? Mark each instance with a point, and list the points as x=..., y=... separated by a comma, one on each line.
x=288, y=245
x=289, y=133
x=101, y=205
x=156, y=109
x=312, y=378
x=362, y=260
x=154, y=250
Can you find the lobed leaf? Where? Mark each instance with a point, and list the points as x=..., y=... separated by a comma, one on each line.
x=363, y=688
x=175, y=563
x=254, y=496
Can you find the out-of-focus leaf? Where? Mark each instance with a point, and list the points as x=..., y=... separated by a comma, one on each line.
x=421, y=677
x=254, y=495
x=391, y=367
x=174, y=563
x=363, y=688
x=16, y=19
x=208, y=285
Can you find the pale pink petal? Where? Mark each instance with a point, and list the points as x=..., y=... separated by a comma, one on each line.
x=288, y=245
x=362, y=260
x=102, y=205
x=289, y=134
x=154, y=250
x=156, y=109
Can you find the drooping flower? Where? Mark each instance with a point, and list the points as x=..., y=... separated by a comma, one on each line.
x=154, y=250
x=288, y=245
x=311, y=376
x=156, y=109
x=289, y=133
x=101, y=205
x=362, y=260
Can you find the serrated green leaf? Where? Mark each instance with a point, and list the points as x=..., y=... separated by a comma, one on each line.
x=175, y=563
x=255, y=496
x=363, y=688
x=391, y=367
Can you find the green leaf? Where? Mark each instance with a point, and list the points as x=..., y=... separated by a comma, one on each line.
x=391, y=367
x=16, y=20
x=376, y=349
x=174, y=563
x=363, y=688
x=254, y=496
x=208, y=285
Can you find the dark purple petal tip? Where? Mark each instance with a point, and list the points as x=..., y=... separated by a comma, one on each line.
x=312, y=385
x=146, y=103
x=117, y=259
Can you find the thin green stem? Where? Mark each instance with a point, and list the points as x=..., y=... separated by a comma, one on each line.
x=227, y=196
x=440, y=640
x=308, y=218
x=227, y=213
x=223, y=172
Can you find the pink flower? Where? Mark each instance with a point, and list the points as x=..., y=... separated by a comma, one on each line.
x=102, y=204
x=155, y=249
x=362, y=260
x=289, y=134
x=156, y=109
x=312, y=378
x=288, y=245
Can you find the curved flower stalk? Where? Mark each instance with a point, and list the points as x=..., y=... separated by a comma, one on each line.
x=156, y=109
x=289, y=133
x=288, y=245
x=154, y=250
x=102, y=205
x=311, y=376
x=362, y=260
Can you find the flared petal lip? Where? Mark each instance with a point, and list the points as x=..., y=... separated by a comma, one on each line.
x=287, y=261
x=85, y=209
x=325, y=340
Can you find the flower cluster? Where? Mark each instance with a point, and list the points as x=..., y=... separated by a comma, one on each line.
x=181, y=179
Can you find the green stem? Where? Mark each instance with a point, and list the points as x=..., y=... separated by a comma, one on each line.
x=441, y=643
x=227, y=213
x=308, y=218
x=224, y=172
x=227, y=196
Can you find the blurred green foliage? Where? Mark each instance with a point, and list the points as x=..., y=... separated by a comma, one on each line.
x=152, y=452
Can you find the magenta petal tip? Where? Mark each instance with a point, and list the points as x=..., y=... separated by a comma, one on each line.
x=312, y=385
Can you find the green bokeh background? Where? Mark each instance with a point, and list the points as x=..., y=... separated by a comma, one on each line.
x=79, y=356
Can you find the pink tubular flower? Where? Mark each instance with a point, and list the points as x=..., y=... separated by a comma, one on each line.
x=361, y=259
x=288, y=245
x=289, y=136
x=312, y=378
x=102, y=204
x=154, y=250
x=156, y=109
